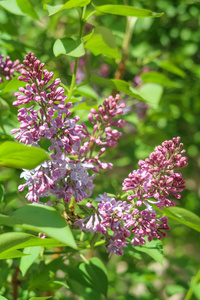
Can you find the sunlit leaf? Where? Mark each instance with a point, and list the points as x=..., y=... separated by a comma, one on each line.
x=153, y=249
x=184, y=216
x=159, y=78
x=118, y=85
x=41, y=218
x=28, y=260
x=13, y=85
x=12, y=7
x=69, y=4
x=27, y=8
x=3, y=298
x=20, y=8
x=102, y=41
x=125, y=10
x=19, y=156
x=11, y=241
x=2, y=190
x=12, y=254
x=169, y=66
x=172, y=289
x=153, y=92
x=86, y=91
x=69, y=47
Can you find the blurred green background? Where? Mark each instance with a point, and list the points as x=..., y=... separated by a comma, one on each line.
x=169, y=47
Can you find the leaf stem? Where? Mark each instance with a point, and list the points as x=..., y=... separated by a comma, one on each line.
x=73, y=81
x=193, y=282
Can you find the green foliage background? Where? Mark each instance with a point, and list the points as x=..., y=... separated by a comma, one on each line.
x=169, y=46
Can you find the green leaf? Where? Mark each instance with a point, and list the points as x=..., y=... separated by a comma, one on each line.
x=20, y=8
x=153, y=92
x=102, y=41
x=12, y=7
x=3, y=298
x=159, y=78
x=172, y=289
x=86, y=91
x=39, y=298
x=85, y=106
x=3, y=105
x=2, y=190
x=11, y=241
x=169, y=66
x=44, y=279
x=68, y=46
x=53, y=9
x=124, y=10
x=153, y=249
x=119, y=85
x=96, y=275
x=13, y=85
x=61, y=284
x=27, y=8
x=70, y=4
x=183, y=216
x=196, y=288
x=12, y=254
x=19, y=156
x=41, y=218
x=27, y=261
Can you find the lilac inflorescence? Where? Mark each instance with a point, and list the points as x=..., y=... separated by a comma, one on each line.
x=157, y=178
x=62, y=177
x=104, y=135
x=48, y=117
x=120, y=222
x=74, y=156
x=8, y=68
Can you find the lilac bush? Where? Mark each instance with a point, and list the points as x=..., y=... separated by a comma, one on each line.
x=75, y=158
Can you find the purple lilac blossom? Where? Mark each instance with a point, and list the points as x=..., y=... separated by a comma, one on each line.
x=122, y=223
x=8, y=68
x=103, y=134
x=51, y=121
x=156, y=179
x=48, y=117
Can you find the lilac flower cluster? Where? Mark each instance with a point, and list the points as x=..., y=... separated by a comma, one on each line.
x=120, y=222
x=103, y=121
x=8, y=67
x=75, y=153
x=48, y=117
x=156, y=177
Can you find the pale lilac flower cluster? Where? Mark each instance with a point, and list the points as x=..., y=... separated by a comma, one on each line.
x=48, y=117
x=156, y=179
x=103, y=134
x=50, y=121
x=121, y=223
x=8, y=68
